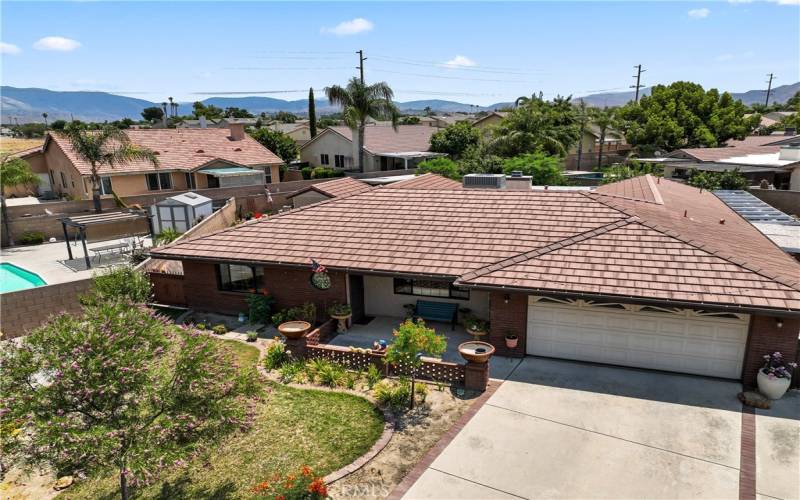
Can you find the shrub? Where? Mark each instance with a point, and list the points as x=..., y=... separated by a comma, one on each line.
x=167, y=236
x=302, y=485
x=291, y=372
x=305, y=312
x=325, y=372
x=260, y=308
x=373, y=376
x=440, y=166
x=306, y=172
x=276, y=355
x=394, y=394
x=252, y=336
x=219, y=329
x=120, y=283
x=349, y=380
x=325, y=173
x=32, y=238
x=544, y=170
x=200, y=326
x=421, y=391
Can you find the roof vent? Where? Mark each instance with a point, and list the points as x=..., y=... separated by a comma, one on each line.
x=156, y=153
x=237, y=149
x=485, y=181
x=199, y=151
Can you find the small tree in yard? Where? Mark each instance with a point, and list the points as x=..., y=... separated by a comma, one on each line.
x=14, y=172
x=411, y=341
x=277, y=142
x=117, y=388
x=120, y=283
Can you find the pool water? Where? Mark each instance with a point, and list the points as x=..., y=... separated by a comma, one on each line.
x=13, y=278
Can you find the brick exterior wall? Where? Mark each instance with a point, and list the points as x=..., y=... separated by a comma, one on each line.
x=765, y=338
x=168, y=288
x=24, y=310
x=289, y=287
x=508, y=318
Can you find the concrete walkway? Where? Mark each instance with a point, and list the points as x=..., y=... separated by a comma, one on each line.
x=560, y=429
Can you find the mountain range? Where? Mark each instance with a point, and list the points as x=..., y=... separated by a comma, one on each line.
x=28, y=104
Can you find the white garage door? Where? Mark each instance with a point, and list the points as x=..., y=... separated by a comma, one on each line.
x=647, y=337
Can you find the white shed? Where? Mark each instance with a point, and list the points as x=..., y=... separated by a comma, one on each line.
x=180, y=212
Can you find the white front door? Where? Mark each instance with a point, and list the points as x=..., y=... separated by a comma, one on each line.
x=676, y=340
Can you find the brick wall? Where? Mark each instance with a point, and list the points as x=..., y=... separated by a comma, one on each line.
x=505, y=318
x=24, y=310
x=168, y=288
x=51, y=227
x=289, y=287
x=765, y=338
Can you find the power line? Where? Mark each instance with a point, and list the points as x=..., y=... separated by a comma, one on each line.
x=769, y=88
x=285, y=68
x=638, y=77
x=443, y=77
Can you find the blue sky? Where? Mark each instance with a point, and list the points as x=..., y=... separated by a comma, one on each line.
x=472, y=52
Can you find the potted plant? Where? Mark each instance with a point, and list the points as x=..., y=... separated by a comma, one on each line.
x=476, y=327
x=252, y=336
x=342, y=313
x=775, y=376
x=511, y=340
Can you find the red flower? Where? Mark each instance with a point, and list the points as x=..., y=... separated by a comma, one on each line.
x=306, y=470
x=318, y=486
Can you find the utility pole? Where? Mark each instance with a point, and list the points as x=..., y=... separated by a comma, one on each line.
x=769, y=88
x=638, y=77
x=360, y=66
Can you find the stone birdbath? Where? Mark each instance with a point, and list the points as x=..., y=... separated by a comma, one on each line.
x=476, y=351
x=294, y=329
x=342, y=313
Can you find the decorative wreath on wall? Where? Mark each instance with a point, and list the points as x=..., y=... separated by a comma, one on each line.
x=320, y=279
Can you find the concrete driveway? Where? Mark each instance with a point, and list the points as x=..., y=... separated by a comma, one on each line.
x=560, y=429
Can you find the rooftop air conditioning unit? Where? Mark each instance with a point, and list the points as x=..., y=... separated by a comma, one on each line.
x=485, y=181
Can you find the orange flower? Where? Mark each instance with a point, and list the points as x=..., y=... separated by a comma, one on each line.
x=306, y=470
x=280, y=497
x=261, y=487
x=318, y=486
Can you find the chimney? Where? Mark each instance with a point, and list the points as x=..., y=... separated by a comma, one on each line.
x=518, y=182
x=237, y=131
x=790, y=131
x=203, y=123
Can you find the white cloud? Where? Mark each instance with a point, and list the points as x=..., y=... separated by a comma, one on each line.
x=699, y=13
x=351, y=27
x=9, y=48
x=56, y=43
x=460, y=62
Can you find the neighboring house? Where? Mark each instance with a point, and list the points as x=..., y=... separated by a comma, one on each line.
x=339, y=188
x=442, y=121
x=385, y=148
x=489, y=121
x=615, y=148
x=773, y=158
x=426, y=181
x=188, y=159
x=300, y=133
x=644, y=273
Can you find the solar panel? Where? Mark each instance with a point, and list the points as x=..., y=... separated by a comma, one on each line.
x=753, y=209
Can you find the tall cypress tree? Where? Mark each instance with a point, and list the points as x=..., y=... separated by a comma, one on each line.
x=312, y=112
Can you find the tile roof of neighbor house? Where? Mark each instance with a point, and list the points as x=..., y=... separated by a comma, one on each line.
x=751, y=145
x=180, y=149
x=594, y=244
x=640, y=188
x=338, y=188
x=381, y=140
x=426, y=181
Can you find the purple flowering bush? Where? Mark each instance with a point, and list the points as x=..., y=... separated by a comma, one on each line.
x=776, y=367
x=118, y=387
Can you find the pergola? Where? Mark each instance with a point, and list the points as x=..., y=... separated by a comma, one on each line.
x=81, y=222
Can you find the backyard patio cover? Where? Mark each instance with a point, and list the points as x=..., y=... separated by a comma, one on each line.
x=81, y=222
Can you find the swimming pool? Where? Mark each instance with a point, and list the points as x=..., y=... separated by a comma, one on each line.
x=13, y=278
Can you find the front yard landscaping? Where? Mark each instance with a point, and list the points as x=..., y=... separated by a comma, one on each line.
x=293, y=427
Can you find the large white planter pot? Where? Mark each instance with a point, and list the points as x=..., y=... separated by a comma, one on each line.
x=773, y=388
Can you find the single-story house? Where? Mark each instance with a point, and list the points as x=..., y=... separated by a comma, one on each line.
x=339, y=188
x=300, y=133
x=646, y=273
x=188, y=159
x=385, y=148
x=491, y=119
x=774, y=158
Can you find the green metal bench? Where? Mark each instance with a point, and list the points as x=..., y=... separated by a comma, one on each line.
x=445, y=312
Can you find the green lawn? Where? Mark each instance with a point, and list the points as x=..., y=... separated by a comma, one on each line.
x=293, y=427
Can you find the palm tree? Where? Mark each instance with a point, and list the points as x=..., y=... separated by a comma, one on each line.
x=359, y=102
x=583, y=119
x=521, y=101
x=44, y=115
x=14, y=172
x=107, y=146
x=602, y=118
x=171, y=106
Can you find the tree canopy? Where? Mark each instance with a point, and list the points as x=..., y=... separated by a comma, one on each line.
x=684, y=115
x=545, y=170
x=536, y=125
x=152, y=114
x=711, y=181
x=455, y=139
x=210, y=111
x=277, y=142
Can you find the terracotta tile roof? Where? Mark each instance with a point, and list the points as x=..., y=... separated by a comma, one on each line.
x=642, y=188
x=426, y=181
x=447, y=232
x=339, y=188
x=635, y=260
x=380, y=139
x=180, y=149
x=573, y=242
x=751, y=145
